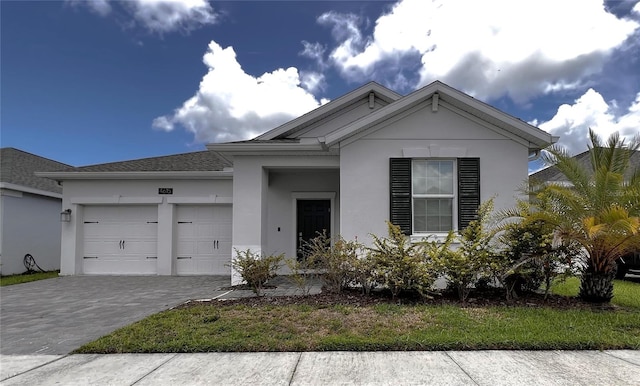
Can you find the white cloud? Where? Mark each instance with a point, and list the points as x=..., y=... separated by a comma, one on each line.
x=159, y=16
x=233, y=105
x=486, y=48
x=101, y=7
x=572, y=122
x=313, y=81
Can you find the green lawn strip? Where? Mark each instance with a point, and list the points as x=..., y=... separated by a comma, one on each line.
x=25, y=278
x=388, y=327
x=625, y=293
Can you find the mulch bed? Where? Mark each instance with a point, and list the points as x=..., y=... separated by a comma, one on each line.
x=486, y=298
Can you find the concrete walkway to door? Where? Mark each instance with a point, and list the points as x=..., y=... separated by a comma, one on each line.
x=56, y=316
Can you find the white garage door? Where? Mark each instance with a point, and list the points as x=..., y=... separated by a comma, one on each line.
x=120, y=240
x=204, y=239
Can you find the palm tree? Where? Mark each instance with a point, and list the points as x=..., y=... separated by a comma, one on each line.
x=599, y=209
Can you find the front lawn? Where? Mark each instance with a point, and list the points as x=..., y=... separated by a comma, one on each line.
x=26, y=277
x=262, y=326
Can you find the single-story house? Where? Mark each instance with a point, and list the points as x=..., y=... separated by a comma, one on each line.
x=424, y=161
x=29, y=211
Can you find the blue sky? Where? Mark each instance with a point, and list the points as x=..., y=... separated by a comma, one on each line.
x=85, y=82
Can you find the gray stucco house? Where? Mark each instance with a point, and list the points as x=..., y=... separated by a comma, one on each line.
x=424, y=161
x=29, y=211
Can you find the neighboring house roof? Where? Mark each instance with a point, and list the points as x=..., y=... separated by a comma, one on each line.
x=552, y=174
x=439, y=94
x=17, y=170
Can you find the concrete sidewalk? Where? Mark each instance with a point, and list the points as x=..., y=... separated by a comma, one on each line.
x=329, y=368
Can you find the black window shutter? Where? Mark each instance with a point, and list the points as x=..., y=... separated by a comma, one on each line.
x=468, y=190
x=400, y=186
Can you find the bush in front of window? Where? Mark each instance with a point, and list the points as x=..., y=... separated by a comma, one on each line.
x=400, y=265
x=473, y=260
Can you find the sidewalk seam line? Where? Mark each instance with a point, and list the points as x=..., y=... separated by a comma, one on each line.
x=622, y=359
x=461, y=368
x=154, y=369
x=35, y=368
x=295, y=368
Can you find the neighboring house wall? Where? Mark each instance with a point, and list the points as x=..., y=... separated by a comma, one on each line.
x=30, y=225
x=80, y=194
x=421, y=133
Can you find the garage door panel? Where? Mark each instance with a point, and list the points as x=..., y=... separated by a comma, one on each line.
x=120, y=240
x=101, y=247
x=205, y=237
x=103, y=266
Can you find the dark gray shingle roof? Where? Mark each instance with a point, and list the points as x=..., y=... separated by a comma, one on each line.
x=17, y=167
x=552, y=174
x=196, y=161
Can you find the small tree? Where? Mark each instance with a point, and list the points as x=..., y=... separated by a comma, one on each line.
x=256, y=270
x=599, y=209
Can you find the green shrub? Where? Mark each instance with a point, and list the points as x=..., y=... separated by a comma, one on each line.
x=400, y=265
x=256, y=270
x=472, y=260
x=530, y=253
x=337, y=260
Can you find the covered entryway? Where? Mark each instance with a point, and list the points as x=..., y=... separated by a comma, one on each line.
x=313, y=218
x=120, y=240
x=204, y=239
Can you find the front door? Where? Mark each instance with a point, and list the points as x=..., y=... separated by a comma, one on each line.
x=314, y=217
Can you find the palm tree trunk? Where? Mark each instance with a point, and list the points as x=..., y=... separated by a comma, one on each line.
x=596, y=287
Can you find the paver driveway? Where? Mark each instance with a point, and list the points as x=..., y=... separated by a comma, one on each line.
x=56, y=316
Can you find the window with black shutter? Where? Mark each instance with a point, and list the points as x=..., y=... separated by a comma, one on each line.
x=423, y=194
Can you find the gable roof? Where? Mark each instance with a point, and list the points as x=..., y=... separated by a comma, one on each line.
x=552, y=174
x=439, y=92
x=330, y=108
x=17, y=167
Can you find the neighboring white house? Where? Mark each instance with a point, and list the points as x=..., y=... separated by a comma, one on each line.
x=424, y=161
x=29, y=211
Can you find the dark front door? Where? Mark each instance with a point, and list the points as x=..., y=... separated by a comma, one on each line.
x=314, y=216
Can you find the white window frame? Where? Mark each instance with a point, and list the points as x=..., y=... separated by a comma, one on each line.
x=453, y=197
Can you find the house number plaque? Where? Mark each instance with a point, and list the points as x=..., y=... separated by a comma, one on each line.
x=165, y=190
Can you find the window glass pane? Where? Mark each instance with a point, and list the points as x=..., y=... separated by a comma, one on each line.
x=419, y=177
x=432, y=177
x=432, y=214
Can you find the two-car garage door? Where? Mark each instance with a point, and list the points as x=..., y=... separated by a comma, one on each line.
x=123, y=240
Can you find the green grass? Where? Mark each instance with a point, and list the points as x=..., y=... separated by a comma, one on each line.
x=207, y=328
x=25, y=278
x=625, y=293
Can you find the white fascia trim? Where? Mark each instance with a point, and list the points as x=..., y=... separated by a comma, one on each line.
x=114, y=200
x=335, y=105
x=263, y=147
x=24, y=189
x=213, y=199
x=199, y=175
